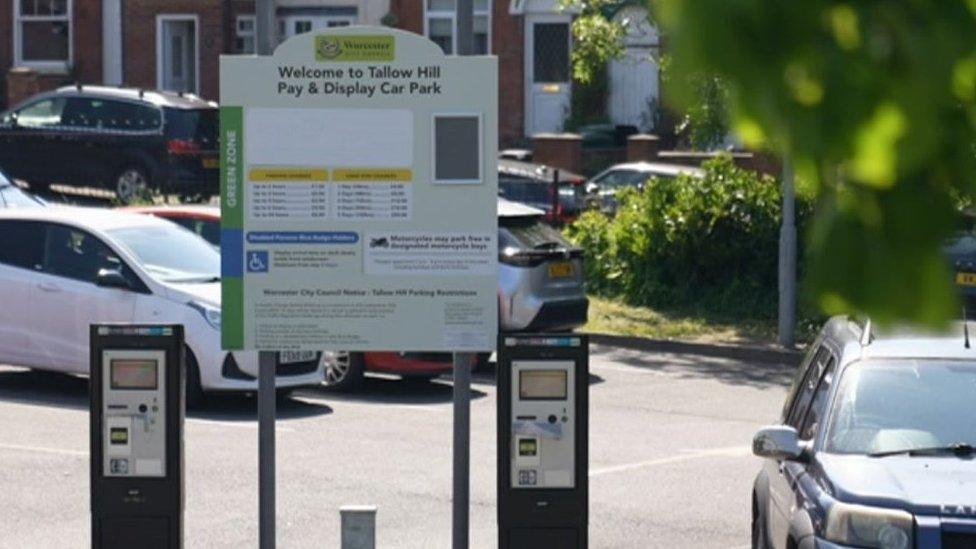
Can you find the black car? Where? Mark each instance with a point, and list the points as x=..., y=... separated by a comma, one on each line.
x=128, y=140
x=533, y=185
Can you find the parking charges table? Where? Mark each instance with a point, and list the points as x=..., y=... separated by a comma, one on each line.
x=310, y=193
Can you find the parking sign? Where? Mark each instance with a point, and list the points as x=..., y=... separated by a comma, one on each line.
x=359, y=192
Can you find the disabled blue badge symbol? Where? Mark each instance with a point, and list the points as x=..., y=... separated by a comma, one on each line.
x=257, y=261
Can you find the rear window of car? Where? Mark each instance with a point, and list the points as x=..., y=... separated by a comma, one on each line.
x=529, y=233
x=200, y=125
x=524, y=190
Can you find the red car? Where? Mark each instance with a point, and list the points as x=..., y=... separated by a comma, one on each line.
x=344, y=370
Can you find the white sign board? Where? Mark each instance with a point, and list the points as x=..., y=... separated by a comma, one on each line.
x=358, y=195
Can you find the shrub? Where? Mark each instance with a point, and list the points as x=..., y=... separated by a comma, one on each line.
x=708, y=244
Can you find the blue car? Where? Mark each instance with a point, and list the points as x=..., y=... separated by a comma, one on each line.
x=875, y=448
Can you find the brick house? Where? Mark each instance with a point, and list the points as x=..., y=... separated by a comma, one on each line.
x=169, y=44
x=175, y=44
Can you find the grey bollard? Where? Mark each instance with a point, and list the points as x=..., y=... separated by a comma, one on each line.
x=358, y=526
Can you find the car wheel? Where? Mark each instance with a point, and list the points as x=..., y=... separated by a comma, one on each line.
x=758, y=532
x=344, y=371
x=132, y=184
x=194, y=388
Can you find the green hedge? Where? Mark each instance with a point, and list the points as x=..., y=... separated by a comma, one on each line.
x=709, y=245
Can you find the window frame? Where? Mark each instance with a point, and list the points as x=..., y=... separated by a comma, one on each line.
x=252, y=34
x=829, y=370
x=452, y=16
x=43, y=64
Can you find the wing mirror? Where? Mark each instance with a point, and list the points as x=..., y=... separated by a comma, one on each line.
x=780, y=442
x=112, y=278
x=592, y=188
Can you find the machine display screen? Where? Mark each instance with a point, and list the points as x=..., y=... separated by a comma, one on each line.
x=134, y=374
x=543, y=384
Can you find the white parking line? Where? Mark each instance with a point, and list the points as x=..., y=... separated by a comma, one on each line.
x=44, y=450
x=731, y=451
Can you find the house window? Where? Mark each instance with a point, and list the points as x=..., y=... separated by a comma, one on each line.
x=244, y=41
x=42, y=32
x=440, y=24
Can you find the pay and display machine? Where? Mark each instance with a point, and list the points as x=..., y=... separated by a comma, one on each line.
x=137, y=412
x=543, y=387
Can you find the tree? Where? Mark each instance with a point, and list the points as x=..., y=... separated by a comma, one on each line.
x=875, y=101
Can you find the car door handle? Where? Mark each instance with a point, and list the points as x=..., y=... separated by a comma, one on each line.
x=48, y=287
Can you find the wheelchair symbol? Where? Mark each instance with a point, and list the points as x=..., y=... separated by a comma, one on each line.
x=257, y=261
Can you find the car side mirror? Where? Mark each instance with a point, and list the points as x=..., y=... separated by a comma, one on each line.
x=592, y=188
x=780, y=442
x=112, y=278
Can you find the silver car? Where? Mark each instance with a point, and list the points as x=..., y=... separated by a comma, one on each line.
x=540, y=274
x=540, y=288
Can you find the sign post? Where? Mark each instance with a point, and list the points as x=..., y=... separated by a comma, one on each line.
x=359, y=194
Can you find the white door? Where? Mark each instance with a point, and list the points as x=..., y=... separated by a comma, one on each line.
x=634, y=78
x=178, y=55
x=633, y=97
x=548, y=42
x=65, y=299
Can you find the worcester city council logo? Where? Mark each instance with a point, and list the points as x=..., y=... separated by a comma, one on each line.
x=328, y=48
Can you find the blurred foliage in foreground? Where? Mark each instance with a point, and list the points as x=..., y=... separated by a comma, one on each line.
x=874, y=100
x=705, y=245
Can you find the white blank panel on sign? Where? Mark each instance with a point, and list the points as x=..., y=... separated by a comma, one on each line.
x=341, y=137
x=457, y=148
x=543, y=385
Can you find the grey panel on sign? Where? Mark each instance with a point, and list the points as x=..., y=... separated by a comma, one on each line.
x=457, y=148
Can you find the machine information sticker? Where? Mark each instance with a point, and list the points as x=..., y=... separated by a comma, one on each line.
x=358, y=196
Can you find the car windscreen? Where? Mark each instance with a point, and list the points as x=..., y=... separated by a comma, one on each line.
x=170, y=253
x=13, y=197
x=200, y=125
x=890, y=406
x=529, y=233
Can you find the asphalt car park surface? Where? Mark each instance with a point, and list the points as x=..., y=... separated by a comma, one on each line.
x=670, y=462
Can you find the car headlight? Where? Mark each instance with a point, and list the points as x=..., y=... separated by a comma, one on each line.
x=210, y=313
x=873, y=527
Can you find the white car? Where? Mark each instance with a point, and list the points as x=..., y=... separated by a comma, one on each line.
x=62, y=269
x=602, y=189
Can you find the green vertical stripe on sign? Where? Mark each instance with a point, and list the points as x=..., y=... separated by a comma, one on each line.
x=232, y=313
x=232, y=167
x=232, y=224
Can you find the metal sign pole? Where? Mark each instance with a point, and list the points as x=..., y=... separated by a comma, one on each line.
x=266, y=447
x=462, y=361
x=265, y=34
x=787, y=261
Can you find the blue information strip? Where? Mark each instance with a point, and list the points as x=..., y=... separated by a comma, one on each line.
x=301, y=237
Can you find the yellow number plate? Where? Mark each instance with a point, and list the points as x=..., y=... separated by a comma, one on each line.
x=211, y=162
x=966, y=279
x=560, y=270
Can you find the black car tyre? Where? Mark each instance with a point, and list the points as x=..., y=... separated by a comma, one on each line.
x=344, y=371
x=192, y=384
x=758, y=533
x=132, y=184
